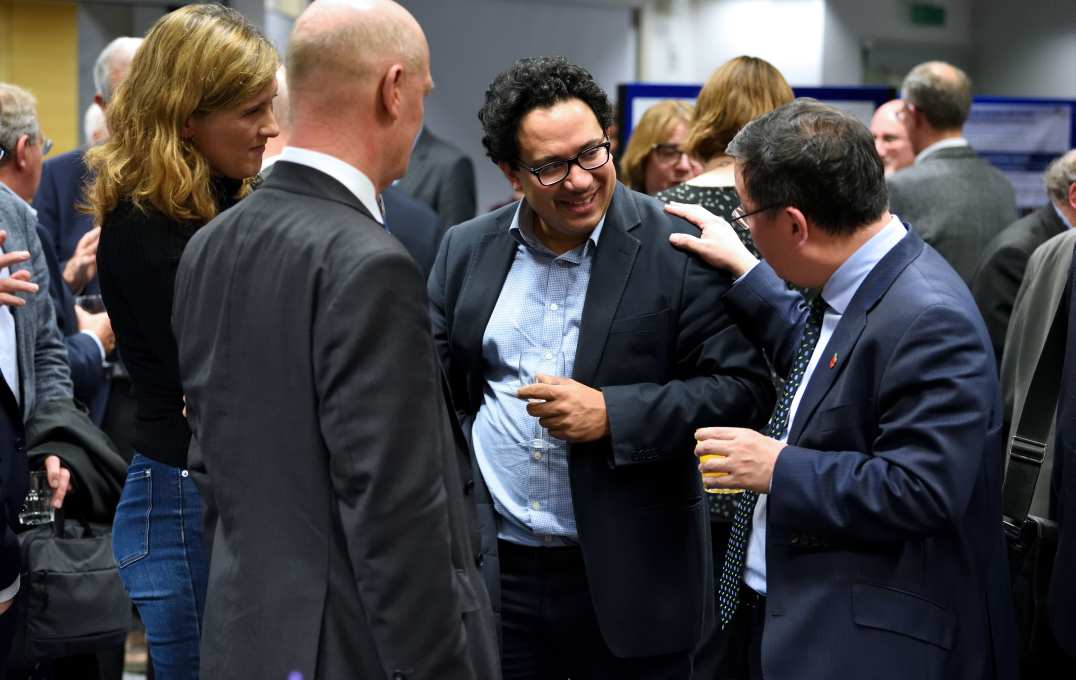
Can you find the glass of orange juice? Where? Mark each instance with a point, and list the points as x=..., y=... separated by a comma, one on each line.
x=711, y=456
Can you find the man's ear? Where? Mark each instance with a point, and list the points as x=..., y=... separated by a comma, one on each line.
x=510, y=174
x=1072, y=195
x=797, y=225
x=21, y=145
x=390, y=90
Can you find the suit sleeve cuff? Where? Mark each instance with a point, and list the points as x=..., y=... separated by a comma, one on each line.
x=11, y=591
x=96, y=341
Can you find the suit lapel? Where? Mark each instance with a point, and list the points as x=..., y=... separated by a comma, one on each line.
x=486, y=272
x=614, y=258
x=843, y=341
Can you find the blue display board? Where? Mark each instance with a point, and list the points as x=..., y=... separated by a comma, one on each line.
x=635, y=98
x=1019, y=136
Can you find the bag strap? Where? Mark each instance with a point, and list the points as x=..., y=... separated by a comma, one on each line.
x=1031, y=426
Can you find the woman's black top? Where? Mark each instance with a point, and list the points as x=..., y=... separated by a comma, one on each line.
x=137, y=259
x=721, y=201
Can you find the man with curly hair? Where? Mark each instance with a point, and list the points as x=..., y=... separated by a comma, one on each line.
x=582, y=352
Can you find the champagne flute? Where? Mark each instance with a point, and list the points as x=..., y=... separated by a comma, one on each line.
x=532, y=363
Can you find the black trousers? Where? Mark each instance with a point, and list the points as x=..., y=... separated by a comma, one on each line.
x=741, y=658
x=549, y=629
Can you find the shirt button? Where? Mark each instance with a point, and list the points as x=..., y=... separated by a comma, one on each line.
x=537, y=455
x=536, y=505
x=184, y=473
x=553, y=306
x=548, y=356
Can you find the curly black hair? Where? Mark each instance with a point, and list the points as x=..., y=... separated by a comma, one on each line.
x=534, y=83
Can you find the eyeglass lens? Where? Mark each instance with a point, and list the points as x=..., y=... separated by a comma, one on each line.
x=589, y=159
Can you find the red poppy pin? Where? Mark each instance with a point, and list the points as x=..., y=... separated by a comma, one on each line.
x=833, y=360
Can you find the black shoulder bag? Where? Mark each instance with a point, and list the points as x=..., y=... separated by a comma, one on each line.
x=1032, y=540
x=71, y=599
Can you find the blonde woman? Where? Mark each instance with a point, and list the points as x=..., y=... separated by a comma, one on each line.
x=189, y=123
x=655, y=158
x=739, y=91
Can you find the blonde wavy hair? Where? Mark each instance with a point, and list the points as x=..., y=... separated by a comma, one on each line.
x=740, y=90
x=195, y=60
x=654, y=127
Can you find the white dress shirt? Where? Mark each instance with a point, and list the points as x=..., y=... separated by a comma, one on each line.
x=837, y=292
x=951, y=143
x=345, y=173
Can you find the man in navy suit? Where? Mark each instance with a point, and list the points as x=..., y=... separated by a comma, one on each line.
x=868, y=541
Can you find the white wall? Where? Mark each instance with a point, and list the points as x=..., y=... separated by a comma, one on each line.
x=1025, y=48
x=685, y=40
x=473, y=40
x=813, y=42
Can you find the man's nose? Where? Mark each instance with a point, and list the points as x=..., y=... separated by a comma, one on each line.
x=578, y=178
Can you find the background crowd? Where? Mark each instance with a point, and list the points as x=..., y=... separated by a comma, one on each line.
x=763, y=393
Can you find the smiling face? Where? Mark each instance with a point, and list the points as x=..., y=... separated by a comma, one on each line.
x=665, y=168
x=567, y=211
x=233, y=139
x=890, y=138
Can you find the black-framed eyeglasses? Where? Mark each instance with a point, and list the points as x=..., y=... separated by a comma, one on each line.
x=668, y=153
x=553, y=172
x=739, y=217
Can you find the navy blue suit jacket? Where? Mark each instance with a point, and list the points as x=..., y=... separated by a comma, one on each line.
x=83, y=355
x=1062, y=600
x=60, y=190
x=415, y=225
x=884, y=552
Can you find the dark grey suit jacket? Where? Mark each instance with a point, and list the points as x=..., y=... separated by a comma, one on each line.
x=656, y=340
x=1033, y=312
x=956, y=202
x=442, y=177
x=1002, y=268
x=324, y=448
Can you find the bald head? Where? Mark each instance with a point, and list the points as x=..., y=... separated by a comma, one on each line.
x=112, y=66
x=351, y=43
x=358, y=72
x=890, y=137
x=941, y=92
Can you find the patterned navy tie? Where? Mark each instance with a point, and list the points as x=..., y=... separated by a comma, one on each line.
x=728, y=586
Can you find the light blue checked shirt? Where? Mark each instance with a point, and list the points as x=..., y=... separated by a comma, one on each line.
x=539, y=312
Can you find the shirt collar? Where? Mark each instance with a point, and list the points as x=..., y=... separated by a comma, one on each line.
x=843, y=283
x=18, y=198
x=950, y=143
x=268, y=161
x=522, y=229
x=345, y=173
x=1061, y=215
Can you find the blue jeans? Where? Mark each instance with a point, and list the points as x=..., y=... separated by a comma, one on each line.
x=157, y=542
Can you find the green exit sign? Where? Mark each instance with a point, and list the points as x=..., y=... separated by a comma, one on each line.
x=927, y=15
